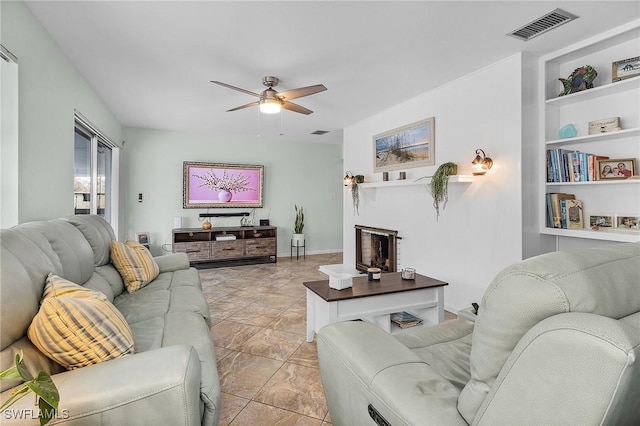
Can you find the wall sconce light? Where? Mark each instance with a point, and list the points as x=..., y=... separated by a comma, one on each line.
x=481, y=163
x=348, y=179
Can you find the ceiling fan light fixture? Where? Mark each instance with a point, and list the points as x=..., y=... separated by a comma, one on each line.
x=270, y=106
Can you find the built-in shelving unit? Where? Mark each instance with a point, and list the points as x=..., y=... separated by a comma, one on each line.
x=606, y=99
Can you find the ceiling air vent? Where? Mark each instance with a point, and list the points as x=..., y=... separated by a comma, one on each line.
x=320, y=132
x=551, y=20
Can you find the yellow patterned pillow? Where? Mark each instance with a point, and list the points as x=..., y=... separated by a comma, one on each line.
x=76, y=326
x=135, y=264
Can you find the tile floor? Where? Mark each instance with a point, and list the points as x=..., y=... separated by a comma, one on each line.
x=268, y=373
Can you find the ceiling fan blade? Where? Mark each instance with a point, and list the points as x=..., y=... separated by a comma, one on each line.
x=256, y=103
x=302, y=91
x=236, y=88
x=296, y=108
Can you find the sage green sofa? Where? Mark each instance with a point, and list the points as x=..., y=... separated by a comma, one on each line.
x=556, y=342
x=171, y=379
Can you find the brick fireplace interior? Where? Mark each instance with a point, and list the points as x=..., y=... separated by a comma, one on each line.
x=376, y=247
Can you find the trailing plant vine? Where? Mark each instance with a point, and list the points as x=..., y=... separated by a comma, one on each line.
x=440, y=185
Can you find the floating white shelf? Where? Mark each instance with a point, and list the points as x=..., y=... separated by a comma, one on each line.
x=413, y=182
x=622, y=236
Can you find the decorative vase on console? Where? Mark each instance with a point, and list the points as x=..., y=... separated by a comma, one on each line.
x=206, y=224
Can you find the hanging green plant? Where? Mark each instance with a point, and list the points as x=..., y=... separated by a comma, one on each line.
x=440, y=185
x=355, y=193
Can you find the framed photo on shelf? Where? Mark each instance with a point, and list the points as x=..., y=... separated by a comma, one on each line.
x=405, y=147
x=628, y=222
x=143, y=238
x=597, y=221
x=626, y=68
x=616, y=168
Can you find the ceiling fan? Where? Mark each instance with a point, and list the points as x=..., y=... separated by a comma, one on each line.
x=272, y=101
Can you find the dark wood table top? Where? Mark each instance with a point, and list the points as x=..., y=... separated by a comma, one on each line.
x=390, y=282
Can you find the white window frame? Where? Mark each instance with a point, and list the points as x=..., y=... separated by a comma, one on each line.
x=96, y=136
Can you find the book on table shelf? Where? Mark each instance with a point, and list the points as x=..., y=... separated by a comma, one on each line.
x=405, y=319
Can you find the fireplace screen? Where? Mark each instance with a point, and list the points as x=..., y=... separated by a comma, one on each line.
x=376, y=247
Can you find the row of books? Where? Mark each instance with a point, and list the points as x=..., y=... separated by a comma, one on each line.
x=572, y=166
x=564, y=211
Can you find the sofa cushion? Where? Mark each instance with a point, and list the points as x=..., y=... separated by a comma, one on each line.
x=76, y=326
x=135, y=264
x=98, y=233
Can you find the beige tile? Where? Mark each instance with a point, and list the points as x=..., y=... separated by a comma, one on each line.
x=255, y=315
x=272, y=344
x=221, y=353
x=276, y=301
x=261, y=414
x=231, y=335
x=306, y=355
x=243, y=374
x=291, y=321
x=295, y=388
x=327, y=419
x=230, y=407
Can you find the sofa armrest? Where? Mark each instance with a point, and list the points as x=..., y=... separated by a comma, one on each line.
x=161, y=386
x=172, y=262
x=468, y=314
x=572, y=368
x=362, y=365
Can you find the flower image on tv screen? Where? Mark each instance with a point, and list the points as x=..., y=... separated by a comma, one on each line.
x=209, y=185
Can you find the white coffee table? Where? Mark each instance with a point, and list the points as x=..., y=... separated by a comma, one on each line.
x=374, y=301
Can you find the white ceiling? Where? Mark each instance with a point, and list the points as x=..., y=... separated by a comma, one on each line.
x=151, y=62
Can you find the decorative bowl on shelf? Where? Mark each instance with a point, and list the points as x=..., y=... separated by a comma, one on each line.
x=257, y=235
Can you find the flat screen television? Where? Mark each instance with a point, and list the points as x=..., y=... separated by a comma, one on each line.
x=213, y=185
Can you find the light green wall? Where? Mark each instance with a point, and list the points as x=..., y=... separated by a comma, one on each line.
x=295, y=173
x=49, y=90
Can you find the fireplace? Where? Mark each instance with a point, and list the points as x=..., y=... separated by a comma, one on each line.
x=376, y=247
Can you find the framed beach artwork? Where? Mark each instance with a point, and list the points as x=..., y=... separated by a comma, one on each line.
x=406, y=147
x=210, y=185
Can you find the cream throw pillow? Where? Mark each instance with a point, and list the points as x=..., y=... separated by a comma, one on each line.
x=135, y=264
x=77, y=327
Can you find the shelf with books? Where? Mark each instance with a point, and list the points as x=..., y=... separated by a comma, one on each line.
x=570, y=165
x=632, y=181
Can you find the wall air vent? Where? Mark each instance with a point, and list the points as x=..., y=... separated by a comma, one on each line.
x=551, y=20
x=320, y=132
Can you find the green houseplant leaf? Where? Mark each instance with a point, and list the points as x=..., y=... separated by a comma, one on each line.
x=298, y=225
x=47, y=396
